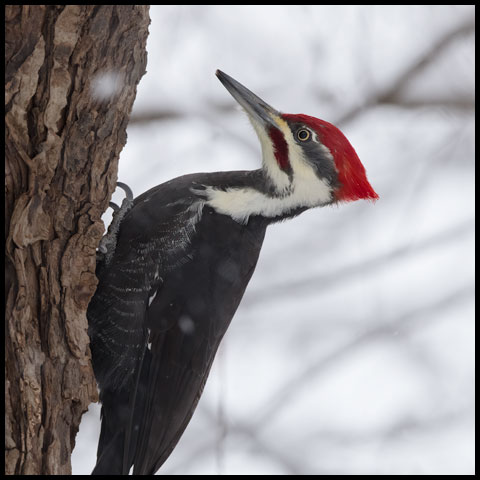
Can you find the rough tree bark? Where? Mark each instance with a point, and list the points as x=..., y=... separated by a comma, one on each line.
x=71, y=73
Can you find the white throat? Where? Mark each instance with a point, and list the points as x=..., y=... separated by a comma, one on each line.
x=241, y=203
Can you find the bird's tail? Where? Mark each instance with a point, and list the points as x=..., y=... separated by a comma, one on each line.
x=111, y=445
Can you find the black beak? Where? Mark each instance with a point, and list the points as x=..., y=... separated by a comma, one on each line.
x=255, y=107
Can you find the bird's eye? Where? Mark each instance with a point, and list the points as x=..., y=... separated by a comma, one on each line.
x=303, y=134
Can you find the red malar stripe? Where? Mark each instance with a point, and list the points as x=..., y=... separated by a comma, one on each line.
x=280, y=148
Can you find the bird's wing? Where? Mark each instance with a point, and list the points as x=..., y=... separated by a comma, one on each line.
x=172, y=389
x=152, y=241
x=176, y=366
x=196, y=303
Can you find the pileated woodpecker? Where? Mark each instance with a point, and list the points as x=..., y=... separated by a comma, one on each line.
x=185, y=252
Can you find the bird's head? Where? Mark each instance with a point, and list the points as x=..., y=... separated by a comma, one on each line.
x=308, y=162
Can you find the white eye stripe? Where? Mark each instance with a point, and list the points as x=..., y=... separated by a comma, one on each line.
x=314, y=136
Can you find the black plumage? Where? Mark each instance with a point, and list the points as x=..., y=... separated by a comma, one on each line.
x=162, y=306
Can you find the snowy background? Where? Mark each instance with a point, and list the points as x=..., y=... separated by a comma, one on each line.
x=353, y=349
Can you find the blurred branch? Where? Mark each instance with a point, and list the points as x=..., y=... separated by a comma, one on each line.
x=155, y=116
x=404, y=426
x=402, y=323
x=459, y=104
x=391, y=93
x=158, y=115
x=291, y=464
x=341, y=275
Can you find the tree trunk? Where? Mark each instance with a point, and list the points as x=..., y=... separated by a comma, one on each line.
x=71, y=73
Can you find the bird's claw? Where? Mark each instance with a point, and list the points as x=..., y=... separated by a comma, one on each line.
x=108, y=243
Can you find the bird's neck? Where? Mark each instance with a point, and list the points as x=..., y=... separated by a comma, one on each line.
x=252, y=194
